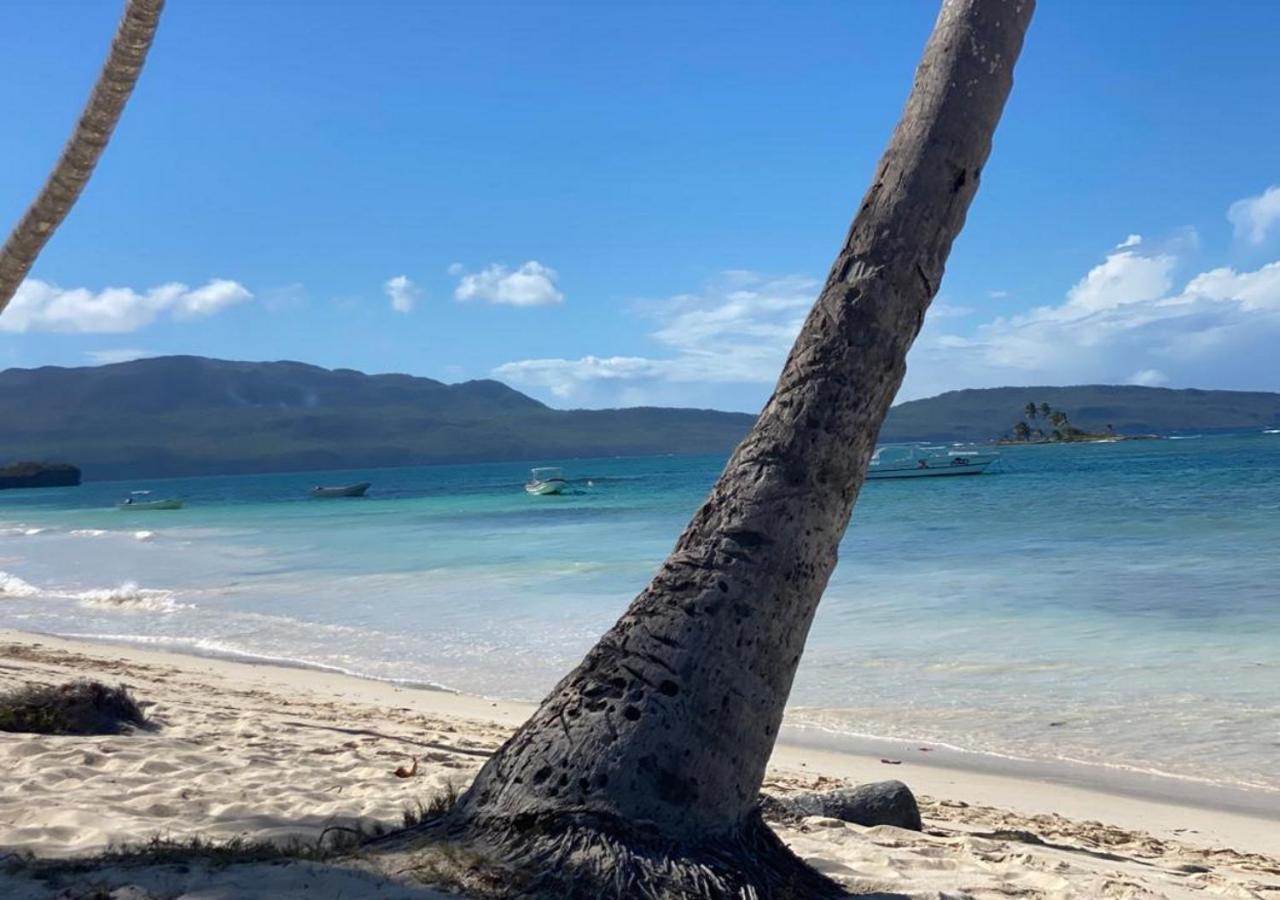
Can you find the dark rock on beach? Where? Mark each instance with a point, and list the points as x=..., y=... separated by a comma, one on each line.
x=880, y=803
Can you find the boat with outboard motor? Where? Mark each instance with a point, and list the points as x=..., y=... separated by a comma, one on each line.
x=918, y=462
x=346, y=490
x=545, y=480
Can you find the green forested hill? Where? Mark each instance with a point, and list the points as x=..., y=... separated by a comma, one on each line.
x=183, y=415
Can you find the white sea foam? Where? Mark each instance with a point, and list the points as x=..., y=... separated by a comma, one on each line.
x=130, y=597
x=127, y=597
x=13, y=586
x=22, y=531
x=102, y=532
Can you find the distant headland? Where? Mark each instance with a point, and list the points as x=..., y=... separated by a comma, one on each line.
x=188, y=415
x=36, y=475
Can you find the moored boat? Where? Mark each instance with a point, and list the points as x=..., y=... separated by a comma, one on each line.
x=919, y=462
x=170, y=503
x=545, y=480
x=345, y=490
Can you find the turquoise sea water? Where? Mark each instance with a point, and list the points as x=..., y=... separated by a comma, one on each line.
x=1113, y=604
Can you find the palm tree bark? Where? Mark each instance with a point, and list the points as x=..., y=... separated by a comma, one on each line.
x=115, y=83
x=639, y=774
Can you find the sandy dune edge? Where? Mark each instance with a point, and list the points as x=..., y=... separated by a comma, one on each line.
x=280, y=753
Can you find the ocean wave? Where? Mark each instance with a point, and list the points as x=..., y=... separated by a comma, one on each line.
x=13, y=586
x=126, y=597
x=212, y=648
x=22, y=531
x=103, y=532
x=129, y=596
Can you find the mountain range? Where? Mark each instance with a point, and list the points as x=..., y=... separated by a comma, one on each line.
x=186, y=415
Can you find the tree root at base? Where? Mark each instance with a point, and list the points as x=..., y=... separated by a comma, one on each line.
x=576, y=856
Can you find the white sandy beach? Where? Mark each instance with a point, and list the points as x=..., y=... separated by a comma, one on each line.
x=272, y=752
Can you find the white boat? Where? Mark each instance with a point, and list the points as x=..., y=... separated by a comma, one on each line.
x=545, y=480
x=171, y=503
x=919, y=462
x=346, y=490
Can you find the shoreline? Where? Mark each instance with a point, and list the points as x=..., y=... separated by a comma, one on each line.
x=1122, y=779
x=1167, y=807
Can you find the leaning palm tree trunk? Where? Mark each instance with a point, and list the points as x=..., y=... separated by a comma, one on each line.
x=639, y=774
x=119, y=74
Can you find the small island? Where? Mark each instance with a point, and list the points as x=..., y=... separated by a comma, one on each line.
x=36, y=475
x=1042, y=424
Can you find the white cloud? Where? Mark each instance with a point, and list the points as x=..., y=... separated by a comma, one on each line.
x=737, y=331
x=404, y=293
x=42, y=306
x=1148, y=378
x=214, y=297
x=1123, y=322
x=1253, y=217
x=121, y=355
x=532, y=284
x=1253, y=290
x=939, y=310
x=567, y=378
x=1124, y=277
x=285, y=298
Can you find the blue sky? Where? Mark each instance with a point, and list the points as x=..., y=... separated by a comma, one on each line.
x=617, y=204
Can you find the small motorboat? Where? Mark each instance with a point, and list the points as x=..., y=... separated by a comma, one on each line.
x=170, y=503
x=345, y=490
x=919, y=462
x=545, y=480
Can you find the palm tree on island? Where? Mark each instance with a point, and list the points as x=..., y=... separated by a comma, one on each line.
x=1063, y=430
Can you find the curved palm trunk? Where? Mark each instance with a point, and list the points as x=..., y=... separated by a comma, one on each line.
x=115, y=83
x=638, y=775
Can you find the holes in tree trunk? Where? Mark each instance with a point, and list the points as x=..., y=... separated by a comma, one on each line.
x=631, y=714
x=670, y=688
x=747, y=538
